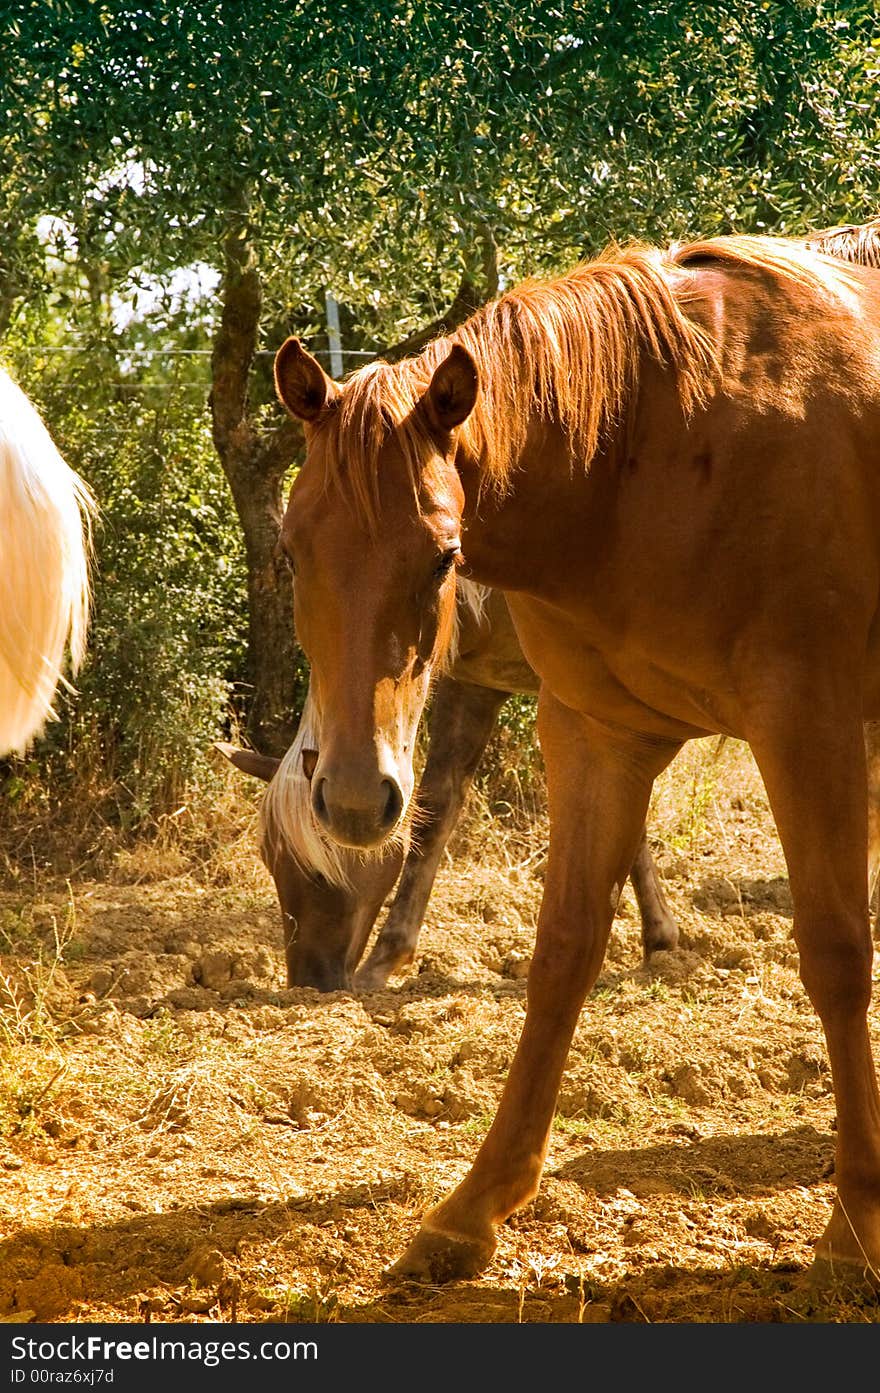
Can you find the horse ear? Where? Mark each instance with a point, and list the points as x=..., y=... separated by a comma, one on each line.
x=249, y=761
x=301, y=383
x=452, y=393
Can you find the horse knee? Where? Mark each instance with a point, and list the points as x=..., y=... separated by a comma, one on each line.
x=836, y=960
x=566, y=961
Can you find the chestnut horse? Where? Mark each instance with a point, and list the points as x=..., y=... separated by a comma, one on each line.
x=669, y=461
x=45, y=529
x=328, y=914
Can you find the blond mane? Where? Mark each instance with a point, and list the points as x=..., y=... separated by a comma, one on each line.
x=858, y=242
x=470, y=597
x=567, y=350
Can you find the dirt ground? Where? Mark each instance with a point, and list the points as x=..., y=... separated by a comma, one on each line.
x=182, y=1138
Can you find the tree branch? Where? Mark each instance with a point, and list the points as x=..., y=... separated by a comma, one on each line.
x=278, y=448
x=272, y=452
x=468, y=299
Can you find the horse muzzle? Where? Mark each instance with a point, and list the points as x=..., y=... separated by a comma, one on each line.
x=359, y=816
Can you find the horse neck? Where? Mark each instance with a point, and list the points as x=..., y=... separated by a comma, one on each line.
x=510, y=531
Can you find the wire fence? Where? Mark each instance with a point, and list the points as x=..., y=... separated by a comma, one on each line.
x=334, y=356
x=335, y=353
x=123, y=352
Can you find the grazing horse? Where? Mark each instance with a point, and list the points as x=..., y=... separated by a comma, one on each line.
x=46, y=512
x=669, y=461
x=328, y=914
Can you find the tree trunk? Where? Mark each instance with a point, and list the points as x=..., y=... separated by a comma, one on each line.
x=273, y=671
x=255, y=464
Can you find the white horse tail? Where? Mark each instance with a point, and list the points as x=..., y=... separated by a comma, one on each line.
x=46, y=513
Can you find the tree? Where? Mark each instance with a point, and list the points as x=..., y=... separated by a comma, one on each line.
x=409, y=158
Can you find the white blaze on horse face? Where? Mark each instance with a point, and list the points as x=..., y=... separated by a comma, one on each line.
x=397, y=710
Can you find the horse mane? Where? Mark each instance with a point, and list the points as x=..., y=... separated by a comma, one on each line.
x=859, y=242
x=286, y=819
x=568, y=349
x=470, y=596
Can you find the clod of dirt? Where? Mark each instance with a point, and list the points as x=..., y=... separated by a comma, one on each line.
x=191, y=999
x=637, y=1234
x=760, y=1225
x=98, y=1018
x=559, y=1202
x=49, y=1294
x=152, y=1302
x=689, y=1082
x=196, y=1305
x=808, y=1067
x=101, y=980
x=213, y=970
x=217, y=968
x=680, y=965
x=207, y=1266
x=420, y=1101
x=516, y=965
x=22, y=990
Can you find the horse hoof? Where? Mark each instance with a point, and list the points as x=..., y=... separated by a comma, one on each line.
x=440, y=1257
x=832, y=1274
x=660, y=938
x=370, y=979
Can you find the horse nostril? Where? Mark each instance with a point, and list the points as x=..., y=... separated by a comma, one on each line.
x=319, y=807
x=393, y=803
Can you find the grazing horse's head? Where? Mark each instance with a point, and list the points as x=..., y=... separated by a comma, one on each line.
x=372, y=529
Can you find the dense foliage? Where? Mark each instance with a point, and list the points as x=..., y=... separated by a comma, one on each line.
x=166, y=643
x=388, y=153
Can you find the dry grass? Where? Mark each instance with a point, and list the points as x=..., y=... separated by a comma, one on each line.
x=245, y=1152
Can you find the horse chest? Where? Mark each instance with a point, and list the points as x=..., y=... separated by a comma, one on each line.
x=605, y=681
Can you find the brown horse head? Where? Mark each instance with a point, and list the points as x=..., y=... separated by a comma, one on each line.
x=374, y=604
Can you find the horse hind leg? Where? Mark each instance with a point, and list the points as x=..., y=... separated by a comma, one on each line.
x=462, y=719
x=659, y=926
x=872, y=754
x=811, y=755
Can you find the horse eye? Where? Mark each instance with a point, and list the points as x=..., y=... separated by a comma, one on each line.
x=444, y=565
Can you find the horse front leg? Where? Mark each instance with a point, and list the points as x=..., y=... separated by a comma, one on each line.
x=462, y=719
x=598, y=789
x=811, y=755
